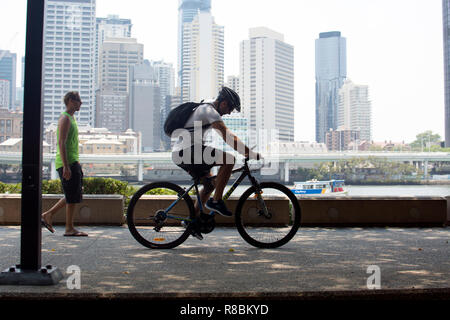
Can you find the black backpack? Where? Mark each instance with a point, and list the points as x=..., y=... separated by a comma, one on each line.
x=178, y=117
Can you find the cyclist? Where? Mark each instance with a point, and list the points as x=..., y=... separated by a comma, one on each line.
x=191, y=154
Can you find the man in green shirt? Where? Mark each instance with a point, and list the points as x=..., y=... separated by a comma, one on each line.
x=68, y=166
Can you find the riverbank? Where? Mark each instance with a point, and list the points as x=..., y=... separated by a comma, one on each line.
x=398, y=183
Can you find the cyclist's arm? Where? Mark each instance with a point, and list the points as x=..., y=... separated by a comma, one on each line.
x=232, y=140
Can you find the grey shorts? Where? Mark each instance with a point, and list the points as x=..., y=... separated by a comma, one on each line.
x=73, y=188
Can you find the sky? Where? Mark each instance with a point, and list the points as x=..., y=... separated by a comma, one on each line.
x=393, y=46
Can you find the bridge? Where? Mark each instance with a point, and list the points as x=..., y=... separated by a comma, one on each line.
x=280, y=163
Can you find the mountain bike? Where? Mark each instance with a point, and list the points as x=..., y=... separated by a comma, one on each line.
x=161, y=214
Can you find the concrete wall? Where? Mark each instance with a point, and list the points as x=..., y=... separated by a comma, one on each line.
x=95, y=209
x=370, y=211
x=316, y=211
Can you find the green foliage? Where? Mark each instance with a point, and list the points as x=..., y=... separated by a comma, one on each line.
x=107, y=186
x=10, y=187
x=161, y=191
x=51, y=187
x=426, y=141
x=366, y=169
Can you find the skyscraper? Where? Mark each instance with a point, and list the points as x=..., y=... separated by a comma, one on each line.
x=165, y=75
x=331, y=70
x=116, y=56
x=354, y=109
x=187, y=11
x=69, y=43
x=446, y=22
x=145, y=105
x=203, y=58
x=266, y=83
x=8, y=61
x=109, y=27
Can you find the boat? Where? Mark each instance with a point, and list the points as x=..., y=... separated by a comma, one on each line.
x=316, y=188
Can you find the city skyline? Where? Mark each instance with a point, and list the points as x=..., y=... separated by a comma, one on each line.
x=402, y=63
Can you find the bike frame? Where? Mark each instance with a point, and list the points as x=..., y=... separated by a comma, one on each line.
x=245, y=172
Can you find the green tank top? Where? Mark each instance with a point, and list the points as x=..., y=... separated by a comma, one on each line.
x=71, y=143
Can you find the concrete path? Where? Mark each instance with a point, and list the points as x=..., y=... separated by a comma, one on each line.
x=316, y=261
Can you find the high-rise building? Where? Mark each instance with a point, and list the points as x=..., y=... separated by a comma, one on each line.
x=203, y=58
x=4, y=94
x=145, y=105
x=354, y=109
x=110, y=27
x=112, y=111
x=165, y=75
x=116, y=56
x=8, y=61
x=187, y=10
x=69, y=43
x=446, y=22
x=267, y=83
x=233, y=83
x=331, y=70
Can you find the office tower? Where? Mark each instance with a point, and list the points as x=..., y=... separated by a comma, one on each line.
x=8, y=61
x=446, y=22
x=354, y=109
x=145, y=105
x=112, y=111
x=187, y=10
x=4, y=94
x=116, y=56
x=203, y=58
x=69, y=43
x=110, y=27
x=233, y=83
x=165, y=75
x=267, y=83
x=331, y=70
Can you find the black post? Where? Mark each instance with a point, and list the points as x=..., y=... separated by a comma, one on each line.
x=30, y=253
x=29, y=272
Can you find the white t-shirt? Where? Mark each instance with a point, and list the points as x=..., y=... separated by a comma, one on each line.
x=200, y=120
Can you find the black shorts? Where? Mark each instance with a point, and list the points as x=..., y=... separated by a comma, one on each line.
x=200, y=165
x=73, y=188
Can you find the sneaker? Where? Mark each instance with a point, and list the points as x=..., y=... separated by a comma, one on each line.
x=218, y=207
x=194, y=230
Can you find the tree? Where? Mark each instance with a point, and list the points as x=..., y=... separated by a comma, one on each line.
x=425, y=140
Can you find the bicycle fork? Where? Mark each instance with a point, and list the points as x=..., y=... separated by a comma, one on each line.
x=258, y=193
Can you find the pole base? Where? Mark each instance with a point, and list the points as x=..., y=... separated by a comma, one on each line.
x=44, y=277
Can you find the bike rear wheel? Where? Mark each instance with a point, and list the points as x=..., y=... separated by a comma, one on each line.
x=274, y=227
x=148, y=222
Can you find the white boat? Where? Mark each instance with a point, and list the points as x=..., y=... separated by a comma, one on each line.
x=316, y=188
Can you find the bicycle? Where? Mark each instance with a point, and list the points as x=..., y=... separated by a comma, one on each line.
x=158, y=222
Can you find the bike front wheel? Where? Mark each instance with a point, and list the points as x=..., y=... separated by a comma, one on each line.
x=151, y=223
x=269, y=219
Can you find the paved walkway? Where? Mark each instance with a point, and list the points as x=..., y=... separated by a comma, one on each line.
x=317, y=260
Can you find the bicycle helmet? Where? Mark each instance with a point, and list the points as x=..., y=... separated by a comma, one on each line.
x=231, y=97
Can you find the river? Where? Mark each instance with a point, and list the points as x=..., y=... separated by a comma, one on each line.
x=391, y=190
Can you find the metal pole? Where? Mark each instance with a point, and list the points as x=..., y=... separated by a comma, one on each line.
x=29, y=272
x=30, y=254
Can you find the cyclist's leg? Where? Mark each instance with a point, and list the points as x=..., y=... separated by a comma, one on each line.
x=226, y=162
